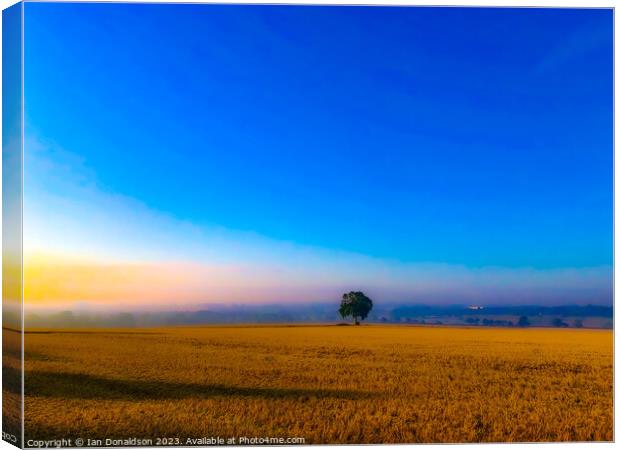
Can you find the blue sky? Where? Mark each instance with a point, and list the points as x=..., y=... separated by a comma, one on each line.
x=466, y=137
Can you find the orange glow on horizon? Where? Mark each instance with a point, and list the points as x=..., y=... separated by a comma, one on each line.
x=54, y=280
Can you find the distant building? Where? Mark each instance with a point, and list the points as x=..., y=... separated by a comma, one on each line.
x=475, y=307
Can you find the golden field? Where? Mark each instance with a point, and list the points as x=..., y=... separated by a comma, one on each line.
x=327, y=384
x=11, y=383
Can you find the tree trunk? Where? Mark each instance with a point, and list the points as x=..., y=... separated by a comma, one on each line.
x=357, y=322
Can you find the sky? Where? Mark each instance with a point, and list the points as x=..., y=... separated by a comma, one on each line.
x=182, y=155
x=12, y=131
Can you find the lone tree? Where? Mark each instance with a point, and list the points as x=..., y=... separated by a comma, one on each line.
x=356, y=305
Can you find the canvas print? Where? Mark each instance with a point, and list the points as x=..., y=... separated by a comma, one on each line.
x=286, y=224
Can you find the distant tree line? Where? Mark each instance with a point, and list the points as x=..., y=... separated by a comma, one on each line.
x=523, y=322
x=489, y=322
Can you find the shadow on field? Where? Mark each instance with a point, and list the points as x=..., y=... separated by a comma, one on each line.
x=99, y=333
x=12, y=379
x=84, y=387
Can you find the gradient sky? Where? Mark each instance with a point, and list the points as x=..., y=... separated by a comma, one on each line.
x=179, y=155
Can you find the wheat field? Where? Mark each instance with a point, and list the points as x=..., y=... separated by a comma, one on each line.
x=325, y=384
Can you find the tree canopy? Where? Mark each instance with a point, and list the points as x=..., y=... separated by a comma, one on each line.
x=356, y=305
